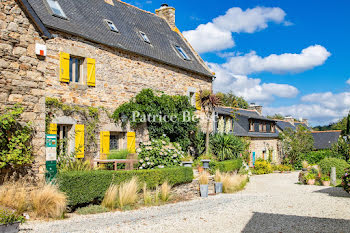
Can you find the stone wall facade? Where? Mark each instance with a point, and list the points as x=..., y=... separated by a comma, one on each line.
x=28, y=79
x=22, y=74
x=261, y=147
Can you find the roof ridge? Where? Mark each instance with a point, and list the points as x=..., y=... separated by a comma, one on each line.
x=325, y=131
x=251, y=110
x=128, y=4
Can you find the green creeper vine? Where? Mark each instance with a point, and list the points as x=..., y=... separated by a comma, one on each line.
x=89, y=114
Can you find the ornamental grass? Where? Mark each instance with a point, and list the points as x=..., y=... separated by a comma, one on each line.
x=165, y=191
x=203, y=178
x=233, y=183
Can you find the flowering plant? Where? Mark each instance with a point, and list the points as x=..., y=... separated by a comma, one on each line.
x=346, y=180
x=159, y=153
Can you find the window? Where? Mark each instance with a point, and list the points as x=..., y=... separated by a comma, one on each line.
x=145, y=37
x=56, y=8
x=260, y=127
x=62, y=138
x=182, y=52
x=76, y=69
x=192, y=97
x=112, y=26
x=273, y=128
x=116, y=141
x=264, y=126
x=251, y=125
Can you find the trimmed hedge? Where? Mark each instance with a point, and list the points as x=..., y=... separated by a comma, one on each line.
x=339, y=164
x=85, y=187
x=225, y=166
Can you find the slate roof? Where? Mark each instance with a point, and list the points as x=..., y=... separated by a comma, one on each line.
x=284, y=125
x=241, y=125
x=325, y=139
x=86, y=20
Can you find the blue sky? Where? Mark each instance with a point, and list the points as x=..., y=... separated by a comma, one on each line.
x=307, y=76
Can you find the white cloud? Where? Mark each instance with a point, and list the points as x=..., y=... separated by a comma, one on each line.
x=217, y=35
x=250, y=88
x=319, y=108
x=348, y=81
x=309, y=58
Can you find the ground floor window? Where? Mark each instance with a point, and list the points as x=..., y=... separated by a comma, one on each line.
x=116, y=141
x=63, y=138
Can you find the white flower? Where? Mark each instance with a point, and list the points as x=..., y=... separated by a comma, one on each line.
x=143, y=165
x=138, y=150
x=140, y=167
x=146, y=158
x=148, y=163
x=160, y=166
x=141, y=160
x=152, y=163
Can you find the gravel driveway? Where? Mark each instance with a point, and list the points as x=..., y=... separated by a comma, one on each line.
x=270, y=203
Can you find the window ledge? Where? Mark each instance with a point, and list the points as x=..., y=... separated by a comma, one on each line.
x=78, y=86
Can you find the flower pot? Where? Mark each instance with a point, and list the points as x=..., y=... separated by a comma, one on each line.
x=205, y=163
x=187, y=163
x=218, y=187
x=9, y=228
x=204, y=190
x=311, y=182
x=326, y=182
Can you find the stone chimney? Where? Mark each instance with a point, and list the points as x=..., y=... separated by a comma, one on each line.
x=289, y=119
x=258, y=108
x=168, y=13
x=304, y=121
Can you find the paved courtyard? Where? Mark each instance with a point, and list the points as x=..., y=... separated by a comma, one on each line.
x=270, y=203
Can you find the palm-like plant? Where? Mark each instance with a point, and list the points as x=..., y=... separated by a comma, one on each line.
x=209, y=101
x=227, y=146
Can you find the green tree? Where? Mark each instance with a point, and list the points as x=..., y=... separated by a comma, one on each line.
x=296, y=142
x=15, y=139
x=209, y=101
x=341, y=149
x=231, y=100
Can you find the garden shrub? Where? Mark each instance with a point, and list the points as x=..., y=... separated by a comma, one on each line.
x=282, y=167
x=10, y=217
x=225, y=166
x=91, y=209
x=15, y=139
x=346, y=180
x=159, y=153
x=117, y=154
x=226, y=146
x=86, y=187
x=314, y=157
x=262, y=167
x=327, y=163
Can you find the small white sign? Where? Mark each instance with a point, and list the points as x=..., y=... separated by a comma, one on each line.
x=51, y=154
x=40, y=50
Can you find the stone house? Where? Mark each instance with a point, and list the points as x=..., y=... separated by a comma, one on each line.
x=91, y=54
x=260, y=131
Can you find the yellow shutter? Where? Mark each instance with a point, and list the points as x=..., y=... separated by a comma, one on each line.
x=104, y=144
x=52, y=129
x=131, y=141
x=79, y=141
x=91, y=72
x=198, y=102
x=64, y=67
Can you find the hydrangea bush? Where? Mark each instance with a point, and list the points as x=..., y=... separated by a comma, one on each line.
x=159, y=153
x=346, y=180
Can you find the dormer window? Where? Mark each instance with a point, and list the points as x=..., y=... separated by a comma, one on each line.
x=182, y=53
x=273, y=128
x=145, y=37
x=251, y=125
x=111, y=26
x=56, y=8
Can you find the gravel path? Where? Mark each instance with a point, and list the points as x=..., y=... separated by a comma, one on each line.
x=270, y=203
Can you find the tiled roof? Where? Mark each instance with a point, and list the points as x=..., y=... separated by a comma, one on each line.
x=86, y=20
x=325, y=139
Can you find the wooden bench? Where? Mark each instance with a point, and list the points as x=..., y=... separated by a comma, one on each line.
x=129, y=163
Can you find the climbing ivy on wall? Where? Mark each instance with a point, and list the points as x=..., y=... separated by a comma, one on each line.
x=90, y=116
x=153, y=107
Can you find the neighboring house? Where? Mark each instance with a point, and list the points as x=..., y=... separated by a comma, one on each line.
x=97, y=53
x=325, y=139
x=261, y=132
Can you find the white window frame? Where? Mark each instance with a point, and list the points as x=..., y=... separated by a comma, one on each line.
x=56, y=7
x=182, y=52
x=111, y=26
x=144, y=37
x=191, y=93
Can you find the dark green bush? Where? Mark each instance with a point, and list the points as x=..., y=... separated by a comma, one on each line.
x=87, y=187
x=314, y=157
x=227, y=146
x=225, y=166
x=327, y=163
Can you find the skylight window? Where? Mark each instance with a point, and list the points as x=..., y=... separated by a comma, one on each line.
x=112, y=26
x=56, y=8
x=182, y=53
x=145, y=37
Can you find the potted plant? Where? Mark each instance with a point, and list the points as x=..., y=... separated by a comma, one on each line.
x=187, y=161
x=305, y=165
x=310, y=178
x=203, y=183
x=9, y=221
x=218, y=182
x=205, y=159
x=325, y=180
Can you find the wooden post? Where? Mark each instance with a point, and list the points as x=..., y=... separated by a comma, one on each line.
x=333, y=176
